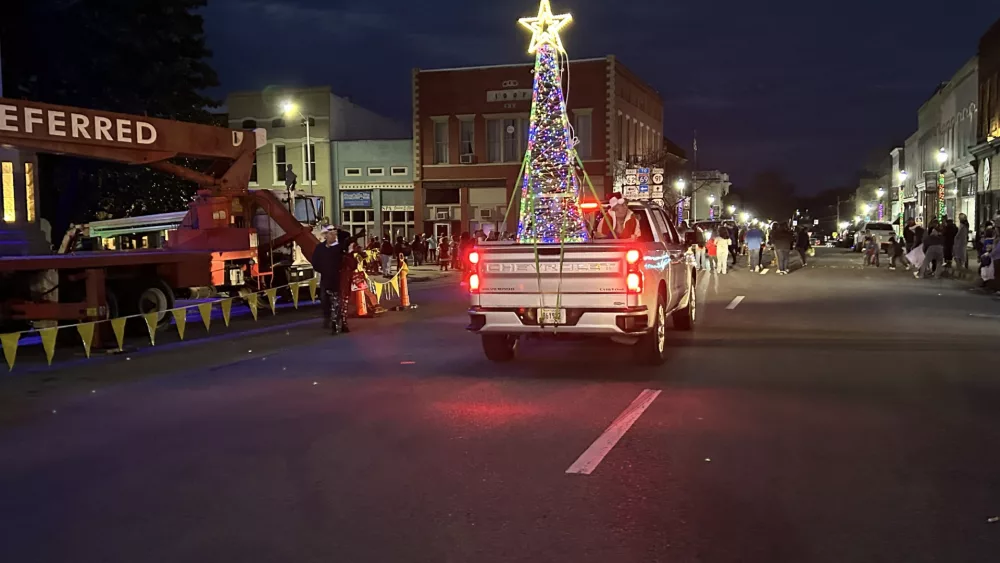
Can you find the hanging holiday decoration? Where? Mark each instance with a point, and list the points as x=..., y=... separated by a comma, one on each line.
x=550, y=209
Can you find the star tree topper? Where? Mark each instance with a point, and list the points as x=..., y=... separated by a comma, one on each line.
x=545, y=27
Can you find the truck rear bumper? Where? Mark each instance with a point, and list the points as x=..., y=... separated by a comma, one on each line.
x=606, y=322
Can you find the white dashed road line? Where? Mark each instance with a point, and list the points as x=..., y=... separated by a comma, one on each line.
x=764, y=271
x=590, y=459
x=735, y=302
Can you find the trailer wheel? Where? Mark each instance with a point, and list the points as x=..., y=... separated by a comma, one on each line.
x=145, y=296
x=499, y=347
x=157, y=296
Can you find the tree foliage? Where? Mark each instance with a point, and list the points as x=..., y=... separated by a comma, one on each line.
x=145, y=57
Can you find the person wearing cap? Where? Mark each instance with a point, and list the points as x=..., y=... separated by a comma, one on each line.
x=327, y=261
x=619, y=221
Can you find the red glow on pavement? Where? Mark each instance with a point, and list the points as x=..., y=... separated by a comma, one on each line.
x=486, y=413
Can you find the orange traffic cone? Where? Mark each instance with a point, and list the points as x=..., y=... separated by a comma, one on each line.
x=360, y=303
x=404, y=290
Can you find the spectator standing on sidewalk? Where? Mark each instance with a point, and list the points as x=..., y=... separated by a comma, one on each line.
x=754, y=240
x=432, y=248
x=722, y=248
x=783, y=240
x=385, y=256
x=950, y=232
x=933, y=254
x=444, y=253
x=961, y=250
x=802, y=244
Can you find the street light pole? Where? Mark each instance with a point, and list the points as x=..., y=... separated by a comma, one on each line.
x=291, y=108
x=942, y=158
x=902, y=181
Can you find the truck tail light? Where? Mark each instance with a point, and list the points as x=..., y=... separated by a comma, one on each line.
x=633, y=277
x=634, y=282
x=474, y=280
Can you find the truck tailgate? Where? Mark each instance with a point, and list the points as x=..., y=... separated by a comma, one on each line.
x=591, y=276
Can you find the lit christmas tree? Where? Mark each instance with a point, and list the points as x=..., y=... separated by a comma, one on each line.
x=550, y=209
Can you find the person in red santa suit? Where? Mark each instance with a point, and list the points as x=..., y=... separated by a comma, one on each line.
x=619, y=221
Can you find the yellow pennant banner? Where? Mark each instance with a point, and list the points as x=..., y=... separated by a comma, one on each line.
x=86, y=331
x=9, y=342
x=394, y=284
x=227, y=308
x=252, y=299
x=272, y=298
x=180, y=319
x=118, y=326
x=48, y=336
x=312, y=288
x=205, y=310
x=379, y=288
x=152, y=319
x=295, y=293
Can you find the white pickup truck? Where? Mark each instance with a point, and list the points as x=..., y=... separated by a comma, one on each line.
x=623, y=289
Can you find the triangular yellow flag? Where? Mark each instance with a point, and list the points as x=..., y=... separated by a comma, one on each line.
x=86, y=331
x=394, y=283
x=180, y=319
x=378, y=291
x=152, y=319
x=272, y=298
x=252, y=303
x=312, y=288
x=118, y=326
x=49, y=341
x=294, y=286
x=9, y=342
x=227, y=307
x=205, y=309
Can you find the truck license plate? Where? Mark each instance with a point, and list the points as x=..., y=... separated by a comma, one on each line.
x=552, y=316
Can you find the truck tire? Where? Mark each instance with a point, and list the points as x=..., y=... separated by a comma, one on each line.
x=499, y=347
x=147, y=295
x=684, y=319
x=651, y=348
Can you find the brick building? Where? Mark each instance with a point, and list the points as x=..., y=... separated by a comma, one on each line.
x=470, y=130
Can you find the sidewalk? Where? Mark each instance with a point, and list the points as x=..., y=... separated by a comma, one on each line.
x=425, y=273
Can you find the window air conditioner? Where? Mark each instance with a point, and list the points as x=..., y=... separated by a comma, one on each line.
x=467, y=158
x=486, y=214
x=443, y=214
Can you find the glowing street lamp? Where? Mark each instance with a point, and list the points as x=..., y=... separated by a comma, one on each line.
x=942, y=156
x=866, y=209
x=679, y=185
x=903, y=175
x=880, y=192
x=744, y=217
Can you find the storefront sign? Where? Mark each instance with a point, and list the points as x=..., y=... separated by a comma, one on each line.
x=356, y=200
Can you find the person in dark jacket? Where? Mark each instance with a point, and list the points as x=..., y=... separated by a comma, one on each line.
x=782, y=239
x=327, y=261
x=950, y=232
x=385, y=256
x=802, y=244
x=908, y=234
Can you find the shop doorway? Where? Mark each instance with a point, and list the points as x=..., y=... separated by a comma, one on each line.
x=442, y=230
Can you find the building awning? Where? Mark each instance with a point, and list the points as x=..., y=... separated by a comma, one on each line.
x=456, y=184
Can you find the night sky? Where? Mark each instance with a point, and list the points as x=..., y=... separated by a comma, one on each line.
x=810, y=88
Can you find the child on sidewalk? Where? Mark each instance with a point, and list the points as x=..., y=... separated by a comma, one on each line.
x=871, y=252
x=895, y=252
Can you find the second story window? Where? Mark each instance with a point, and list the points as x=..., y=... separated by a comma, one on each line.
x=310, y=163
x=441, y=142
x=466, y=136
x=376, y=171
x=280, y=164
x=584, y=135
x=253, y=170
x=398, y=171
x=506, y=139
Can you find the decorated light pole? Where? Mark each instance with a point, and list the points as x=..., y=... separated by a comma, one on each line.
x=680, y=185
x=550, y=202
x=942, y=158
x=902, y=215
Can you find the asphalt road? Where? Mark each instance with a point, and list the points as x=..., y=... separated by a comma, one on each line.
x=837, y=414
